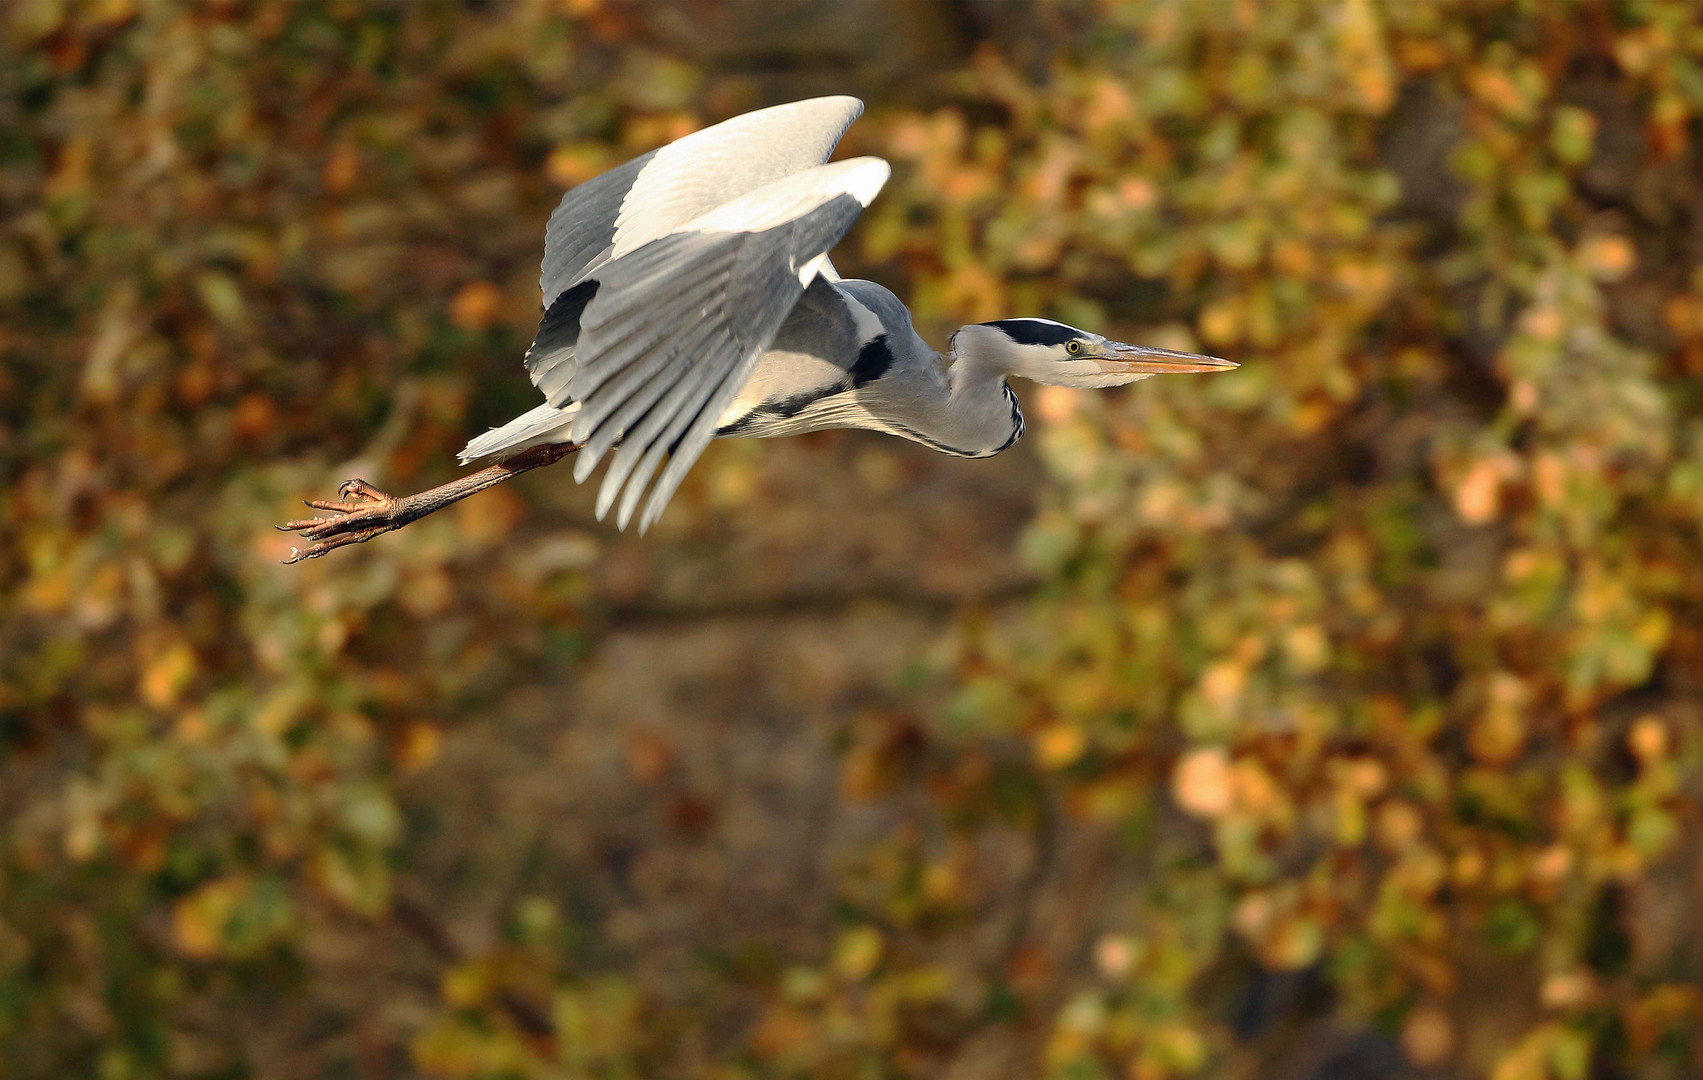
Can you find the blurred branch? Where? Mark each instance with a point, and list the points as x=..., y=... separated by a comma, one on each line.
x=424, y=926
x=642, y=614
x=1027, y=899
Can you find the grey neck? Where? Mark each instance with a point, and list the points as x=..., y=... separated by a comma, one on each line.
x=972, y=411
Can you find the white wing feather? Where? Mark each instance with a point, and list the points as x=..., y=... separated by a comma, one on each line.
x=707, y=168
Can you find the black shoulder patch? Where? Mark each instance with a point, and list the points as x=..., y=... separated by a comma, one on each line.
x=560, y=325
x=1036, y=331
x=873, y=361
x=550, y=359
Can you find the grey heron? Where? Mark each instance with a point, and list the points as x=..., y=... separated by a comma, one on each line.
x=688, y=296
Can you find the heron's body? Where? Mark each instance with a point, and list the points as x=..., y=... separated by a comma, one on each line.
x=846, y=357
x=688, y=296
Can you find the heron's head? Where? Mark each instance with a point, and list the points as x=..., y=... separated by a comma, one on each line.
x=1052, y=353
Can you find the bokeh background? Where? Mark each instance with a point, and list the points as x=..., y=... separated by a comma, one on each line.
x=1338, y=717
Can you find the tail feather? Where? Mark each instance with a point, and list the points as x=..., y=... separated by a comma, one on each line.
x=545, y=424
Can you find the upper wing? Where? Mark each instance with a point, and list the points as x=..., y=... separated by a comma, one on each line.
x=664, y=334
x=653, y=195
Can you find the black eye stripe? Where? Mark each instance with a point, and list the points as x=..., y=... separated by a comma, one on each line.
x=1036, y=331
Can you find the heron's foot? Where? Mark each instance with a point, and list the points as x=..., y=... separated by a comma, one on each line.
x=362, y=512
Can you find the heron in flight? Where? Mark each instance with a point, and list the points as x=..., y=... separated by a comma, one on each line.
x=688, y=296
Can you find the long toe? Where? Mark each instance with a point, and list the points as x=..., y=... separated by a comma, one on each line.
x=301, y=523
x=321, y=547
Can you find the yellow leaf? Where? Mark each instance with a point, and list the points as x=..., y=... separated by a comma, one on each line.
x=1478, y=497
x=1201, y=782
x=466, y=985
x=1648, y=739
x=476, y=306
x=199, y=920
x=1607, y=258
x=1428, y=1036
x=1058, y=745
x=167, y=674
x=858, y=952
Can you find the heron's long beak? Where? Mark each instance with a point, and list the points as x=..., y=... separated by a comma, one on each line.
x=1141, y=360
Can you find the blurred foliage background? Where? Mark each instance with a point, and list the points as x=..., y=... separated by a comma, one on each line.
x=1339, y=717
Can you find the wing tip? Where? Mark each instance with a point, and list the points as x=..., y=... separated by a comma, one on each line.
x=853, y=105
x=865, y=178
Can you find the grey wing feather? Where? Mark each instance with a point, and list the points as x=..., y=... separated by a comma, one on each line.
x=703, y=350
x=582, y=228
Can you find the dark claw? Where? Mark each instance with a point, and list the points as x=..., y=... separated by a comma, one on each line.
x=361, y=491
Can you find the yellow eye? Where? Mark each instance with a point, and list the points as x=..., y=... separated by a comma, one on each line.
x=1073, y=347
